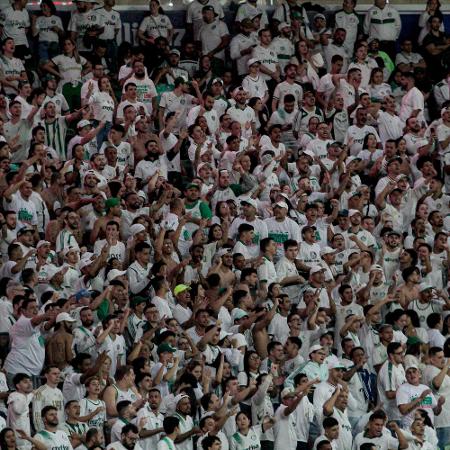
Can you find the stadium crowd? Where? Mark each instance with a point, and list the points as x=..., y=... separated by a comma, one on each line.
x=239, y=244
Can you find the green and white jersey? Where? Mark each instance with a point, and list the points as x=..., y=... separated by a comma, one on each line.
x=59, y=440
x=87, y=406
x=249, y=442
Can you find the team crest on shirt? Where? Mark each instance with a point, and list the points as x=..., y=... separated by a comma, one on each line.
x=389, y=14
x=213, y=27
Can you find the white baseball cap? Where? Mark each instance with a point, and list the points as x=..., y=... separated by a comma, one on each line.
x=114, y=273
x=64, y=317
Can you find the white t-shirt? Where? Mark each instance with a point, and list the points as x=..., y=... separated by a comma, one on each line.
x=116, y=350
x=412, y=101
x=27, y=352
x=54, y=441
x=443, y=419
x=390, y=378
x=406, y=393
x=145, y=89
x=103, y=106
x=250, y=442
x=19, y=415
x=285, y=434
x=69, y=68
x=152, y=421
x=88, y=406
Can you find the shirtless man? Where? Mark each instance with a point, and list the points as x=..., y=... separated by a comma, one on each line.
x=113, y=213
x=224, y=268
x=409, y=291
x=58, y=349
x=164, y=251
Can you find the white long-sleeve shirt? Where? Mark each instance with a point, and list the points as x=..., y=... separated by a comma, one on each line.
x=384, y=24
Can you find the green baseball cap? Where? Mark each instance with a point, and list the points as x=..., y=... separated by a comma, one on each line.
x=181, y=288
x=166, y=348
x=111, y=202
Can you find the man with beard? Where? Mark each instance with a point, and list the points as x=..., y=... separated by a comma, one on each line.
x=153, y=163
x=283, y=45
x=241, y=46
x=56, y=126
x=51, y=436
x=242, y=113
x=129, y=438
x=187, y=428
x=85, y=26
x=146, y=91
x=308, y=110
x=98, y=164
x=261, y=401
x=390, y=253
x=84, y=340
x=193, y=270
x=284, y=117
x=357, y=133
x=171, y=69
x=413, y=101
x=320, y=144
x=337, y=47
x=152, y=421
x=207, y=111
x=435, y=45
x=394, y=207
x=66, y=237
x=48, y=394
x=58, y=349
x=113, y=213
x=414, y=138
x=280, y=227
x=179, y=101
x=132, y=210
x=358, y=237
x=373, y=434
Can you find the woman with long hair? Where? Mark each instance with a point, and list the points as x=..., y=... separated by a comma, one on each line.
x=69, y=67
x=154, y=25
x=102, y=103
x=308, y=64
x=204, y=75
x=370, y=153
x=260, y=114
x=363, y=63
x=378, y=89
x=432, y=8
x=248, y=433
x=48, y=27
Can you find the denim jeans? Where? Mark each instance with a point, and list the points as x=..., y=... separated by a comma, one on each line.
x=443, y=435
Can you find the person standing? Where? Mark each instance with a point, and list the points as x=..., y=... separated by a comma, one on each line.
x=383, y=22
x=27, y=354
x=19, y=407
